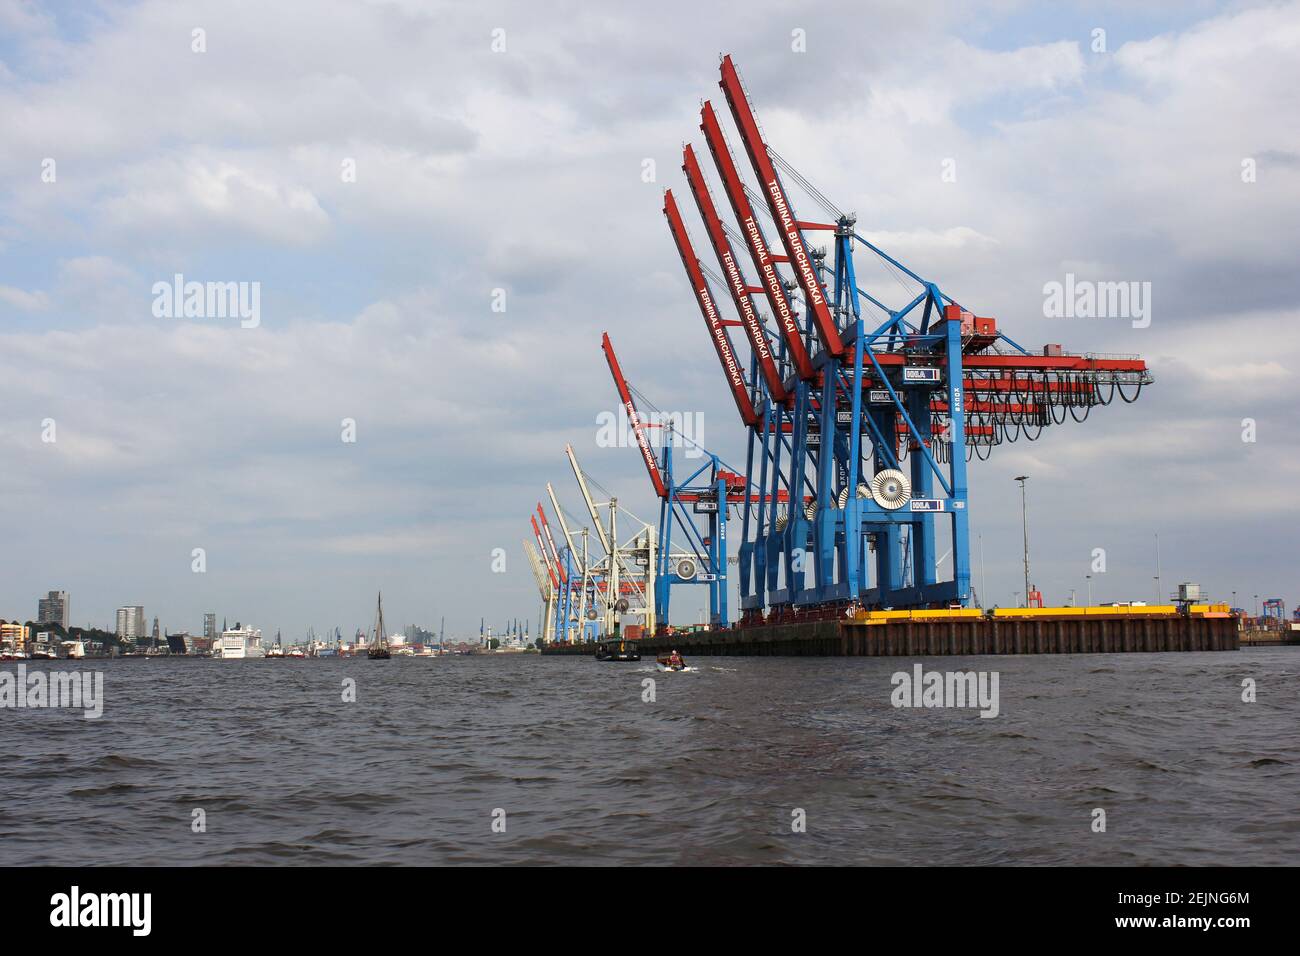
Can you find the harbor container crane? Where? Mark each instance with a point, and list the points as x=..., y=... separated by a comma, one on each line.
x=878, y=407
x=545, y=588
x=706, y=490
x=623, y=579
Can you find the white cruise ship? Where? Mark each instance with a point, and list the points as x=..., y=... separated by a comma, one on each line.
x=238, y=643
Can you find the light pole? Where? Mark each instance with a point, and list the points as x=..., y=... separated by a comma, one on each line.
x=1159, y=597
x=1089, y=577
x=1024, y=521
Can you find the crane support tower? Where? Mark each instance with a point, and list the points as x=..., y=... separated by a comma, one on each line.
x=861, y=416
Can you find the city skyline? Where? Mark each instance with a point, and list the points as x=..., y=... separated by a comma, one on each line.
x=131, y=617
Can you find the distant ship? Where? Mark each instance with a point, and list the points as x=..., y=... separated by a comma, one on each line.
x=238, y=643
x=378, y=649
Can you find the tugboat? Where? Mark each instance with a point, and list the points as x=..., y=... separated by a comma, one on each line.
x=378, y=649
x=276, y=650
x=617, y=650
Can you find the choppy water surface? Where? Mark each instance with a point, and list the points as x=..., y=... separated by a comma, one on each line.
x=707, y=774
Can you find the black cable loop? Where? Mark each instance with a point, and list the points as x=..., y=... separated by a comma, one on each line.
x=1053, y=399
x=1130, y=401
x=1111, y=395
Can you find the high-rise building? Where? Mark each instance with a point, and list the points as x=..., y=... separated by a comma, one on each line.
x=130, y=623
x=210, y=625
x=53, y=609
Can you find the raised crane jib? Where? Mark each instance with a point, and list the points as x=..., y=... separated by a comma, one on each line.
x=735, y=279
x=712, y=317
x=586, y=497
x=782, y=212
x=634, y=419
x=541, y=546
x=550, y=541
x=764, y=261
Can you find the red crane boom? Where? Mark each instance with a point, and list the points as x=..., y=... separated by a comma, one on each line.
x=564, y=575
x=541, y=546
x=782, y=212
x=740, y=293
x=625, y=394
x=764, y=260
x=709, y=309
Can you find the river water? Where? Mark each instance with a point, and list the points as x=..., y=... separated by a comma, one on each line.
x=568, y=756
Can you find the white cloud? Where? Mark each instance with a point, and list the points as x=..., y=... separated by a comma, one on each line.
x=170, y=196
x=24, y=300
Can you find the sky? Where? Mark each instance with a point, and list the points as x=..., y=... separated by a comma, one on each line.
x=992, y=147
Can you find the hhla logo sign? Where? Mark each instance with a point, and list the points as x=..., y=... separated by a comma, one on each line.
x=103, y=909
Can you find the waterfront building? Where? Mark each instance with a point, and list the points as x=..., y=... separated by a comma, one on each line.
x=15, y=636
x=130, y=623
x=53, y=609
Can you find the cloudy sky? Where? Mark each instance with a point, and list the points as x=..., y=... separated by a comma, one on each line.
x=522, y=169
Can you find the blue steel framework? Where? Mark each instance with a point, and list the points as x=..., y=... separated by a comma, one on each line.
x=705, y=490
x=891, y=400
x=696, y=505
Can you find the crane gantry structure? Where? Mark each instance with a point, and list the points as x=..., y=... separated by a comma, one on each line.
x=860, y=416
x=582, y=591
x=698, y=554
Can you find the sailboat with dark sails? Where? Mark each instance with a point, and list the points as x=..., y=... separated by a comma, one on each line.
x=378, y=649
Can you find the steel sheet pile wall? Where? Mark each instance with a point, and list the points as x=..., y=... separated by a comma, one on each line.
x=936, y=638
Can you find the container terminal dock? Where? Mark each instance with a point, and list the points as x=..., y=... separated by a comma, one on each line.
x=859, y=411
x=1064, y=630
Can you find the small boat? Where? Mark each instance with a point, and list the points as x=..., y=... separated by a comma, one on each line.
x=617, y=651
x=378, y=649
x=668, y=664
